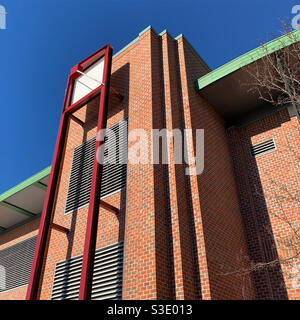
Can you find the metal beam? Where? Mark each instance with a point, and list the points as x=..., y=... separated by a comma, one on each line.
x=17, y=209
x=46, y=218
x=79, y=104
x=41, y=243
x=77, y=120
x=40, y=185
x=86, y=280
x=109, y=207
x=60, y=228
x=116, y=93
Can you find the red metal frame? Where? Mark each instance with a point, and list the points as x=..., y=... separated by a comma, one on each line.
x=60, y=228
x=92, y=222
x=46, y=218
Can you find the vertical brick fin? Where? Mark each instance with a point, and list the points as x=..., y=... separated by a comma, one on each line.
x=139, y=255
x=194, y=206
x=164, y=258
x=181, y=240
x=216, y=212
x=146, y=274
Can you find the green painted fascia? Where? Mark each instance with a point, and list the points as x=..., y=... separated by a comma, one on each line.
x=179, y=36
x=245, y=59
x=145, y=30
x=163, y=32
x=40, y=175
x=127, y=46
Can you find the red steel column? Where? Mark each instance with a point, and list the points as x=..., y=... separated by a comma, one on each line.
x=44, y=228
x=46, y=217
x=93, y=212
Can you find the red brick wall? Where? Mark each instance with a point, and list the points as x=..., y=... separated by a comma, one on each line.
x=183, y=234
x=146, y=274
x=10, y=238
x=184, y=279
x=269, y=197
x=62, y=246
x=176, y=239
x=216, y=214
x=132, y=72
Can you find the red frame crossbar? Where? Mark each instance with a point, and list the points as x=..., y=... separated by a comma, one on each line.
x=47, y=217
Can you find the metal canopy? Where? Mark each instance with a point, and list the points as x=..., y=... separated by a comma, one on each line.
x=225, y=88
x=230, y=96
x=23, y=202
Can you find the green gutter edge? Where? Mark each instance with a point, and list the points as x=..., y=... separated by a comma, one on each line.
x=244, y=60
x=127, y=46
x=38, y=176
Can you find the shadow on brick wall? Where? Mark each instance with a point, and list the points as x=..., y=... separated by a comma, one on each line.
x=269, y=282
x=120, y=77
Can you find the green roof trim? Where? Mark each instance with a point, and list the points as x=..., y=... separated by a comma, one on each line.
x=245, y=59
x=127, y=46
x=145, y=30
x=28, y=182
x=179, y=36
x=163, y=32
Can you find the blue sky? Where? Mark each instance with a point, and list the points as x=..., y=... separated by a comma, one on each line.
x=45, y=38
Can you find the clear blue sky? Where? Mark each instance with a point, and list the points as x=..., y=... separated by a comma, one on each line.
x=45, y=38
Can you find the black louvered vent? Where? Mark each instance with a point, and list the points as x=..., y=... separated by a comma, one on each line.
x=107, y=279
x=263, y=148
x=15, y=264
x=114, y=174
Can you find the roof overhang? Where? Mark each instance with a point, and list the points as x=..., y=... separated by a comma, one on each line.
x=23, y=202
x=225, y=88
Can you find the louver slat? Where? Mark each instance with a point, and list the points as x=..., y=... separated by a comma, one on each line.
x=114, y=174
x=107, y=278
x=15, y=264
x=263, y=148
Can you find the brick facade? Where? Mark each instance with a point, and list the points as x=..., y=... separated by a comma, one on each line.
x=269, y=197
x=184, y=236
x=10, y=238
